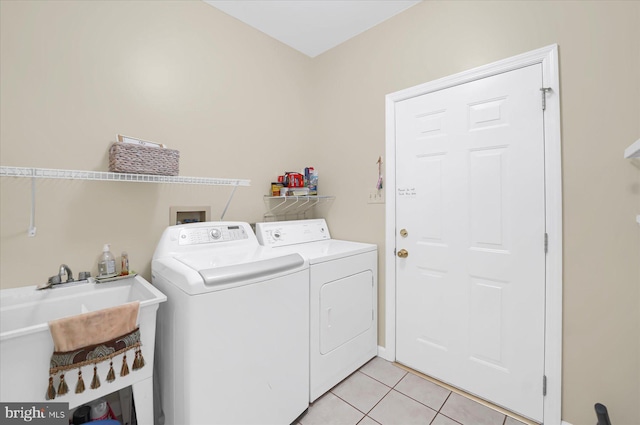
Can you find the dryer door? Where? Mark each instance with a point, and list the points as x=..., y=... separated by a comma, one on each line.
x=346, y=301
x=343, y=319
x=346, y=310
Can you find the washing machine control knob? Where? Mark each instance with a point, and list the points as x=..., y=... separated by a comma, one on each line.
x=215, y=233
x=276, y=234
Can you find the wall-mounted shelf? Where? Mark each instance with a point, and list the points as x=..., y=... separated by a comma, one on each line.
x=50, y=173
x=284, y=206
x=633, y=151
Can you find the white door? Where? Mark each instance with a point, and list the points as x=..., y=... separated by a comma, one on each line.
x=470, y=195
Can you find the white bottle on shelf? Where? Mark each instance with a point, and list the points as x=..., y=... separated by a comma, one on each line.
x=107, y=262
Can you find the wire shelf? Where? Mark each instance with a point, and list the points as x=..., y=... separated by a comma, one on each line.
x=282, y=206
x=50, y=173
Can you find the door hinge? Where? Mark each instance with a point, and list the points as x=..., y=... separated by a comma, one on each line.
x=544, y=91
x=544, y=385
x=546, y=243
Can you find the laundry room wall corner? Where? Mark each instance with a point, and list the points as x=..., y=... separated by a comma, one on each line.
x=599, y=54
x=75, y=74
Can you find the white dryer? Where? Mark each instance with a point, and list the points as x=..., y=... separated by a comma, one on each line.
x=233, y=337
x=343, y=279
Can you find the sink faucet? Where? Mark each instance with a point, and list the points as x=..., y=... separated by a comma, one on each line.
x=57, y=279
x=65, y=270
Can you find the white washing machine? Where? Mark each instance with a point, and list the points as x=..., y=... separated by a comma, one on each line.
x=343, y=278
x=232, y=343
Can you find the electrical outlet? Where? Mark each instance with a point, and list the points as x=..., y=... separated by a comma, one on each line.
x=375, y=196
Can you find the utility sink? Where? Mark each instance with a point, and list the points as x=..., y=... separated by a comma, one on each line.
x=26, y=344
x=25, y=310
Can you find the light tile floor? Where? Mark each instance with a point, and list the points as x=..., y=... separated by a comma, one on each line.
x=380, y=393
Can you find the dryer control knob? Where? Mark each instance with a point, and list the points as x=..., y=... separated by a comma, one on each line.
x=277, y=234
x=215, y=233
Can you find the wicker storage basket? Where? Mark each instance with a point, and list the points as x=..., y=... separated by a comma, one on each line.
x=136, y=159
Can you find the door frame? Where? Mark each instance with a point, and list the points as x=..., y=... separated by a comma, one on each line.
x=548, y=58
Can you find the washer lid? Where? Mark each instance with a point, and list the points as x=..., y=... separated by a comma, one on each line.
x=249, y=271
x=237, y=266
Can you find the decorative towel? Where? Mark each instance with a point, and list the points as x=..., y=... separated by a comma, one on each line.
x=91, y=338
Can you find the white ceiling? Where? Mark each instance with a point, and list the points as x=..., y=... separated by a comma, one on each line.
x=312, y=26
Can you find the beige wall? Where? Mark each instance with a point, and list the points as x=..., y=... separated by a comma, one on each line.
x=232, y=100
x=600, y=98
x=73, y=74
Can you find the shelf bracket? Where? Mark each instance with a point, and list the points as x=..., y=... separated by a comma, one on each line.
x=228, y=202
x=303, y=204
x=297, y=199
x=32, y=221
x=284, y=201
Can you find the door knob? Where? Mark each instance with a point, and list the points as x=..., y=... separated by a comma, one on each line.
x=404, y=233
x=403, y=253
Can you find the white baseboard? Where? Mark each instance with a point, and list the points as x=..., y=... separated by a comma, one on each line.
x=382, y=352
x=565, y=423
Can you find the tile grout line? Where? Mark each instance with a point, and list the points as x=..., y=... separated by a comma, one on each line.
x=425, y=405
x=406, y=372
x=344, y=401
x=445, y=401
x=364, y=413
x=442, y=385
x=418, y=401
x=375, y=379
x=367, y=416
x=440, y=410
x=390, y=389
x=451, y=419
x=461, y=393
x=378, y=402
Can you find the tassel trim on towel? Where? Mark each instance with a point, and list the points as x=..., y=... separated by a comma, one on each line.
x=95, y=382
x=138, y=362
x=80, y=384
x=63, y=388
x=124, y=370
x=51, y=391
x=92, y=355
x=111, y=376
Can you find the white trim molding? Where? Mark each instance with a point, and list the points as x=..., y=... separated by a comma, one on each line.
x=548, y=58
x=382, y=352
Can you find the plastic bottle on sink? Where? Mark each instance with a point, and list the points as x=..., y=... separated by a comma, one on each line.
x=107, y=262
x=124, y=261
